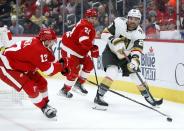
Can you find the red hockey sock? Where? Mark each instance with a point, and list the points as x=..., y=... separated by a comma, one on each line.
x=67, y=88
x=81, y=80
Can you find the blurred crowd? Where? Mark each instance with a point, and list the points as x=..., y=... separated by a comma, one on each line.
x=28, y=16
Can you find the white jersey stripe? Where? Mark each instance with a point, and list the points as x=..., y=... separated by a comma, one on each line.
x=69, y=83
x=44, y=94
x=50, y=70
x=84, y=74
x=68, y=50
x=83, y=38
x=10, y=77
x=37, y=99
x=5, y=61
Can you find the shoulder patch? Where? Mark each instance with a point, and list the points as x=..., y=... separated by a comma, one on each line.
x=141, y=31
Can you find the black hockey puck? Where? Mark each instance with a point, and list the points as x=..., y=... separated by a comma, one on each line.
x=169, y=119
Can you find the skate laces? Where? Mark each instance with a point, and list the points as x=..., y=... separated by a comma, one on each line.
x=101, y=98
x=48, y=110
x=52, y=108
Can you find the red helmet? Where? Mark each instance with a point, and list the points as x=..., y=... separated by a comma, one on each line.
x=91, y=13
x=47, y=34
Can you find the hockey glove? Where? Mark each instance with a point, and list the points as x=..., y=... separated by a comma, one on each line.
x=65, y=64
x=133, y=65
x=94, y=51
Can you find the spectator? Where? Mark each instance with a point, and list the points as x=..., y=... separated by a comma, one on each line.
x=181, y=15
x=171, y=13
x=130, y=4
x=5, y=9
x=78, y=9
x=59, y=25
x=54, y=6
x=30, y=27
x=71, y=6
x=163, y=25
x=152, y=29
x=38, y=19
x=29, y=8
x=17, y=11
x=16, y=28
x=102, y=14
x=99, y=28
x=161, y=5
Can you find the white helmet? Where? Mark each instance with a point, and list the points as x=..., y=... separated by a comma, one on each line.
x=134, y=13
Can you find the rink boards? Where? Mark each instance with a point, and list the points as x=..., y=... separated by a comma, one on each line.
x=162, y=64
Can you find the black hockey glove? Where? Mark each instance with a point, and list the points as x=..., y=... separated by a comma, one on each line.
x=66, y=67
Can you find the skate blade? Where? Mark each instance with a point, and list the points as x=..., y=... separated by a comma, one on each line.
x=63, y=96
x=157, y=106
x=78, y=92
x=52, y=119
x=99, y=107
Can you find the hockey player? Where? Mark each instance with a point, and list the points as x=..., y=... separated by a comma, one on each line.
x=5, y=37
x=76, y=45
x=123, y=36
x=19, y=66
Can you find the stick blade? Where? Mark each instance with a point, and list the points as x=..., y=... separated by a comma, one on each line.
x=159, y=102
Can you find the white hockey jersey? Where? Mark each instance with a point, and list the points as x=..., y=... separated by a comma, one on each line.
x=133, y=42
x=5, y=36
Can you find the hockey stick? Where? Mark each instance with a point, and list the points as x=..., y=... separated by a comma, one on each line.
x=155, y=102
x=163, y=114
x=95, y=75
x=58, y=48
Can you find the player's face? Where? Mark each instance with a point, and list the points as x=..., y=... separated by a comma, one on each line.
x=49, y=43
x=92, y=20
x=133, y=22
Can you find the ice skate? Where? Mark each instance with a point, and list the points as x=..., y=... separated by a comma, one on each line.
x=65, y=93
x=79, y=88
x=100, y=104
x=49, y=111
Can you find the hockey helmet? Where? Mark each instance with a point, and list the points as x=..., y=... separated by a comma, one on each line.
x=91, y=13
x=134, y=13
x=47, y=34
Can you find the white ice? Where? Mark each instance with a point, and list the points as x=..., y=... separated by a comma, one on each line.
x=77, y=114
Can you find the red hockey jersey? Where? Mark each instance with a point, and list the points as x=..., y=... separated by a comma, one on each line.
x=30, y=56
x=79, y=41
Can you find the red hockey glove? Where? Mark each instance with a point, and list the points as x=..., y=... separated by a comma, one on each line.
x=94, y=51
x=66, y=67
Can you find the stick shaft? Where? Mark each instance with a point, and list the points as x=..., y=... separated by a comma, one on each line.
x=163, y=114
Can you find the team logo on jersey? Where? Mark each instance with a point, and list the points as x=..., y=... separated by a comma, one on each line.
x=148, y=65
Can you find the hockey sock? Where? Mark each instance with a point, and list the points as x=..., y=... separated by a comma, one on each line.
x=67, y=88
x=81, y=80
x=105, y=85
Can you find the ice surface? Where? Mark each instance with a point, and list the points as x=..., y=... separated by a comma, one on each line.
x=77, y=114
